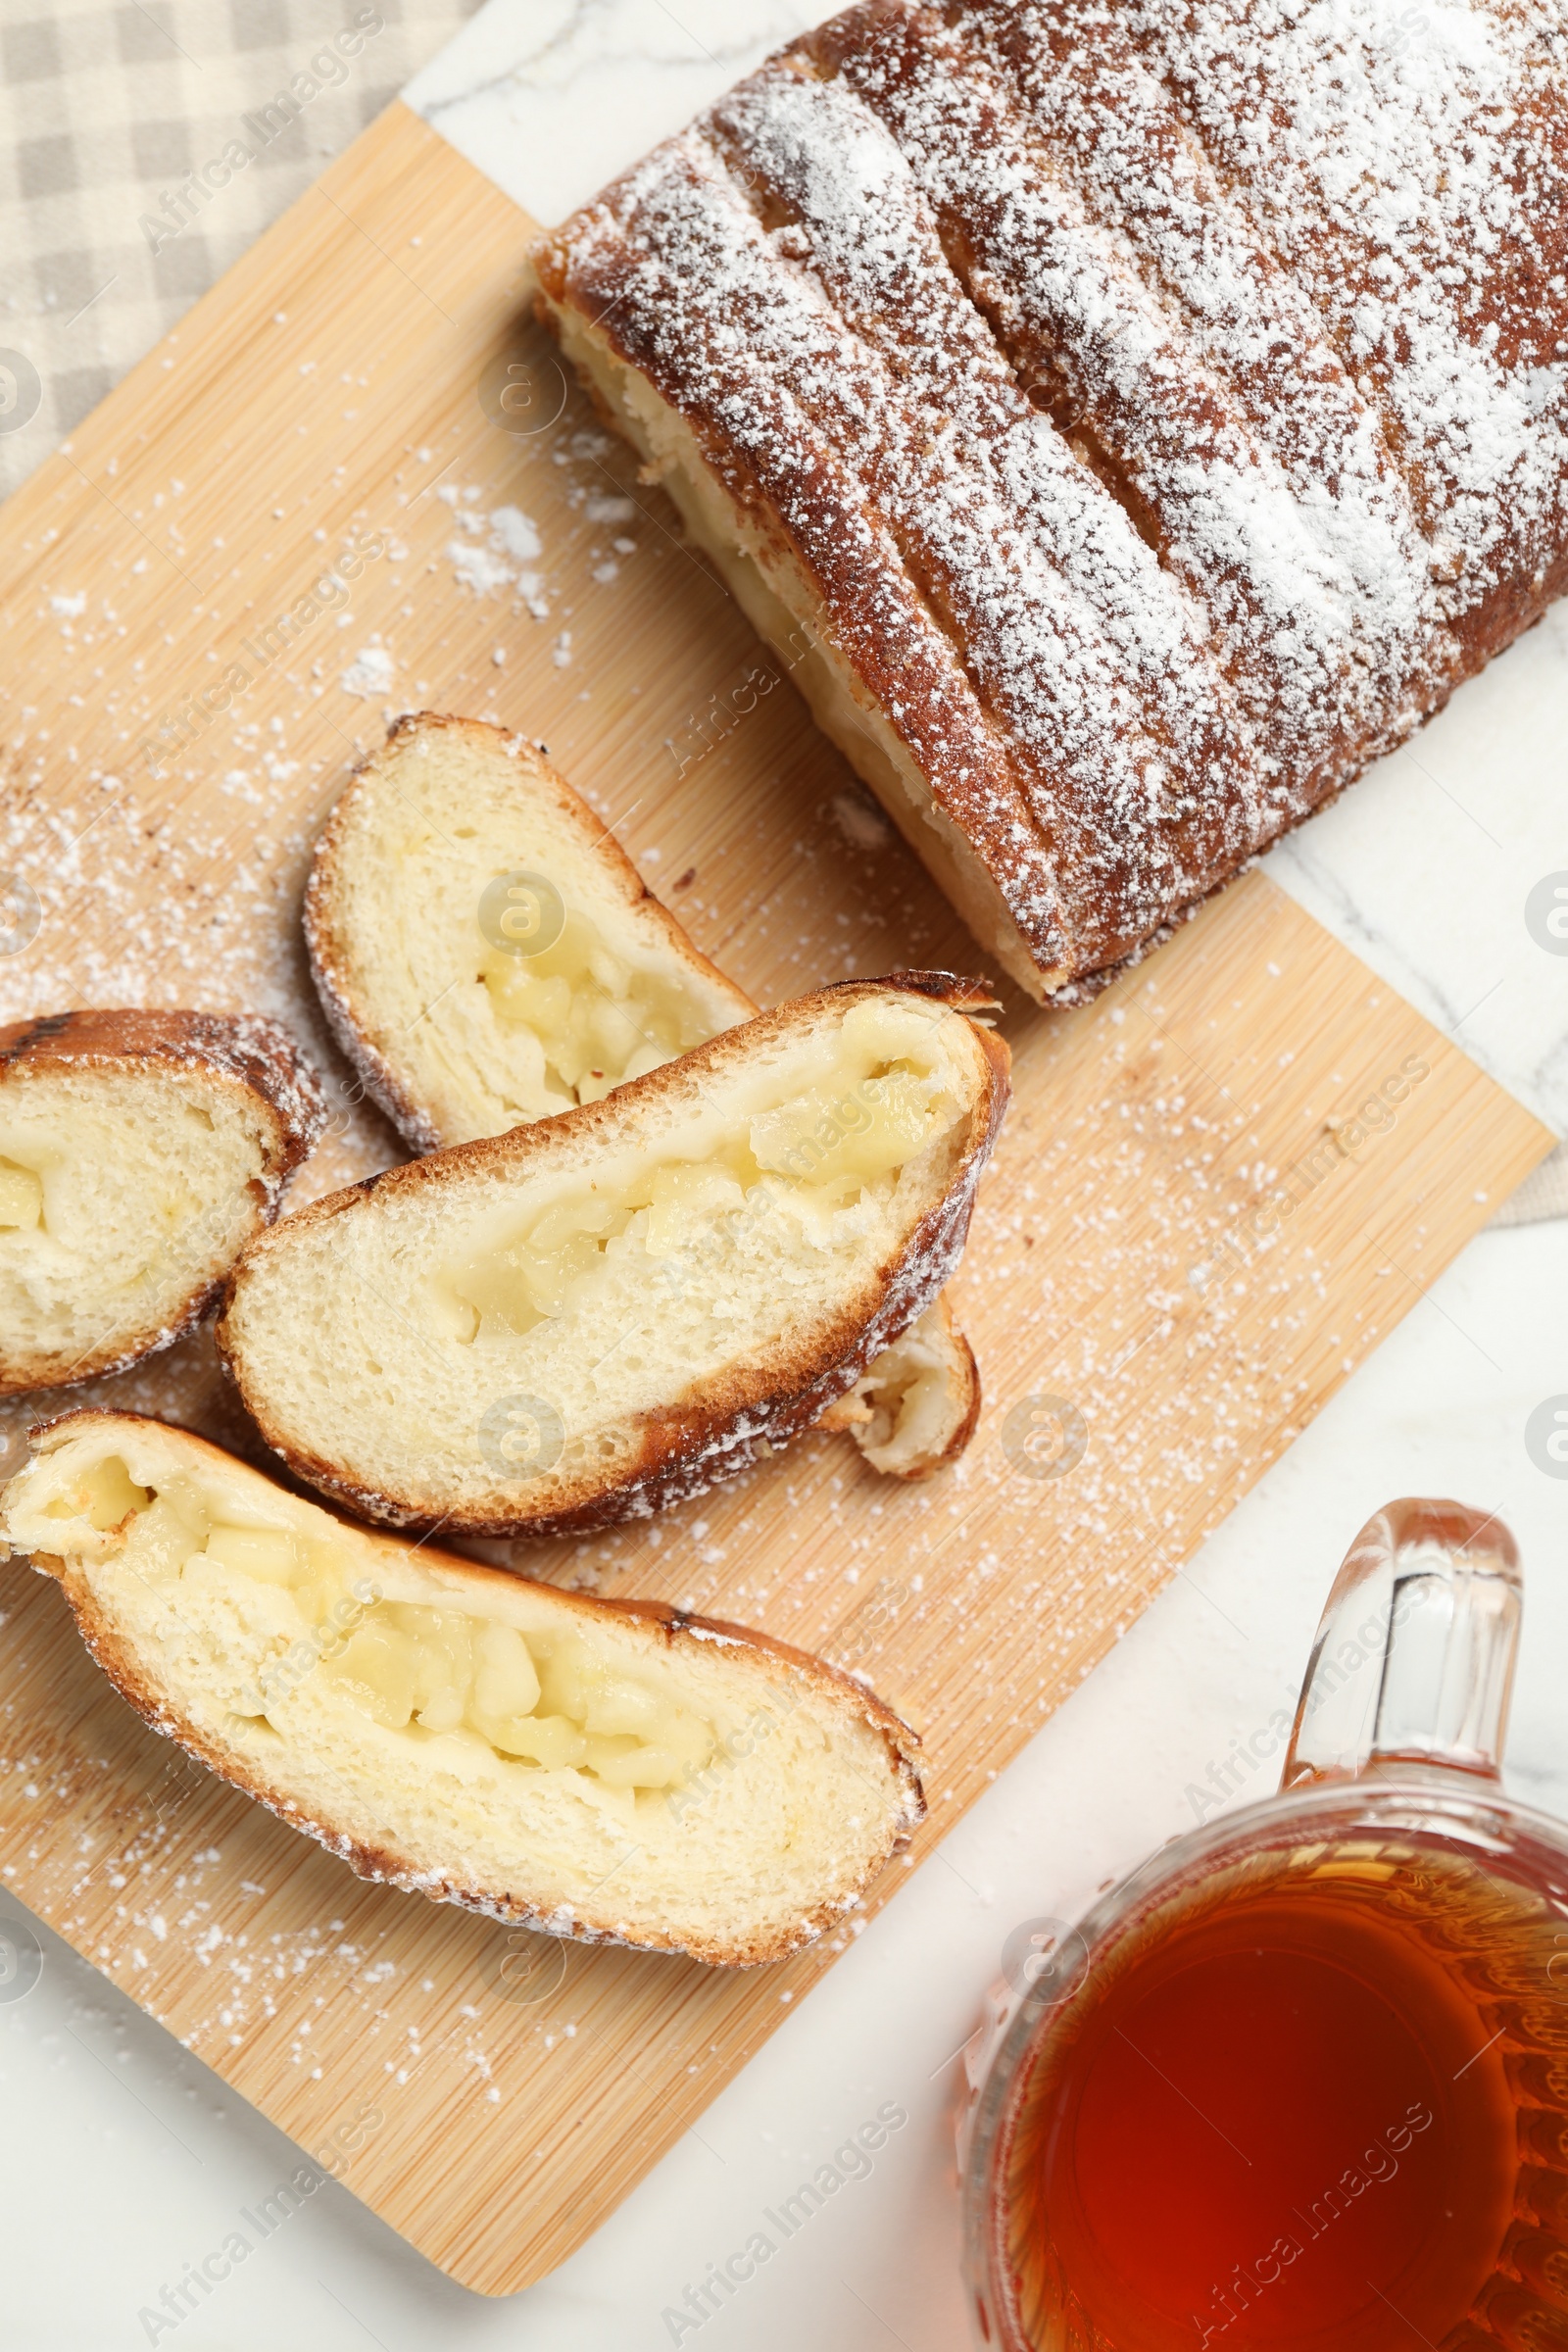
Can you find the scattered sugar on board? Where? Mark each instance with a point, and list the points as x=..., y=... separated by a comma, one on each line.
x=235, y=959
x=370, y=673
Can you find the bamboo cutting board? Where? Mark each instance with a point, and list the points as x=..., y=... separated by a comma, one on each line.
x=1192, y=1232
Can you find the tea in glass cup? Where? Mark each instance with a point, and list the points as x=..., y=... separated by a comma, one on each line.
x=1305, y=2084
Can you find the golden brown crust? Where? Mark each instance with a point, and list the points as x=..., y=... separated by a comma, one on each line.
x=351, y=1018
x=853, y=1412
x=232, y=1048
x=241, y=1050
x=1118, y=397
x=385, y=1864
x=877, y=623
x=969, y=1374
x=688, y=1445
x=330, y=968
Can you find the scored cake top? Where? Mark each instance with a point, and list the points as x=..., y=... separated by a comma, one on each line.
x=1158, y=408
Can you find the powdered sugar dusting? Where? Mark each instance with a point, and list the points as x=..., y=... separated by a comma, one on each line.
x=1416, y=186
x=370, y=673
x=1193, y=376
x=520, y=537
x=1070, y=626
x=1322, y=602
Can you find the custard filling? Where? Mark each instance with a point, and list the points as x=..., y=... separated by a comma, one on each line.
x=20, y=1197
x=810, y=1154
x=598, y=1019
x=546, y=1700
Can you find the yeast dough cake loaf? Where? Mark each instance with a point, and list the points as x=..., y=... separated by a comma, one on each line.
x=1150, y=411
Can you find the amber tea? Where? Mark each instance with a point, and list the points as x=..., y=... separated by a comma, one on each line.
x=1303, y=2084
x=1289, y=2111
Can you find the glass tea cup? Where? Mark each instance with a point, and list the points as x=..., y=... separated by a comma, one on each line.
x=1302, y=2079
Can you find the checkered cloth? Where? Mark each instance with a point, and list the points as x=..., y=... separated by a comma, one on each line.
x=144, y=144
x=1541, y=1196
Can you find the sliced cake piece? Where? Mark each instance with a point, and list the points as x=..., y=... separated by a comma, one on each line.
x=588, y=1318
x=915, y=1405
x=484, y=949
x=139, y=1153
x=610, y=1771
x=460, y=1030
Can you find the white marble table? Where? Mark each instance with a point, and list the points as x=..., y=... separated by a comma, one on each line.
x=123, y=2162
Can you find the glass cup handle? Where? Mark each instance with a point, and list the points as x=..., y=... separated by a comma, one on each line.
x=1413, y=1662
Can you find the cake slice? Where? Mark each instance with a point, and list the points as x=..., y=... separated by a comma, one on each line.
x=460, y=1031
x=484, y=950
x=610, y=1771
x=914, y=1407
x=139, y=1153
x=591, y=1317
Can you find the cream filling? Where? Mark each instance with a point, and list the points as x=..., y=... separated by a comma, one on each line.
x=551, y=1699
x=595, y=1018
x=907, y=1393
x=877, y=1106
x=20, y=1197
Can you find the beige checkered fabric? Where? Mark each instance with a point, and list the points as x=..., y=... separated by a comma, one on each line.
x=144, y=144
x=1541, y=1196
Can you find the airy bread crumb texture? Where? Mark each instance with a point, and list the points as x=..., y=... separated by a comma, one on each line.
x=483, y=948
x=601, y=1771
x=487, y=956
x=138, y=1154
x=584, y=1319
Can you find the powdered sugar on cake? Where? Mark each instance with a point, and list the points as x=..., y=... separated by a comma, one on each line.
x=1322, y=597
x=1417, y=189
x=1166, y=402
